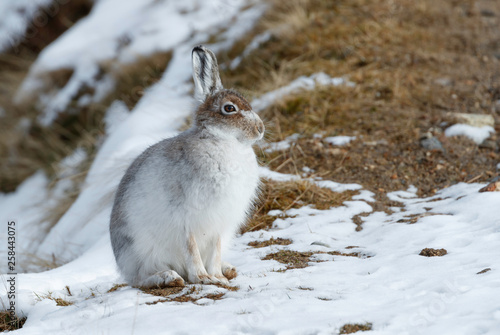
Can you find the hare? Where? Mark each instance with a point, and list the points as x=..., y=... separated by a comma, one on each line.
x=182, y=197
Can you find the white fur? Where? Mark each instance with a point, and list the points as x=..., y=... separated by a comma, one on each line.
x=211, y=210
x=182, y=198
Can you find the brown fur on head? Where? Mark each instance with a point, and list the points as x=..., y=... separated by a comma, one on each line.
x=223, y=113
x=243, y=124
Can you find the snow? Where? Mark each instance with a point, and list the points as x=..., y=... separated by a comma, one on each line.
x=254, y=44
x=116, y=114
x=281, y=145
x=477, y=134
x=390, y=286
x=301, y=83
x=339, y=140
x=114, y=33
x=16, y=17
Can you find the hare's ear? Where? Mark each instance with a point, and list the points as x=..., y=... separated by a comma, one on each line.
x=205, y=73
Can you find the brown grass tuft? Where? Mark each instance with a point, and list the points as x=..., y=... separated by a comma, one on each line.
x=291, y=194
x=483, y=271
x=8, y=324
x=187, y=296
x=62, y=302
x=355, y=327
x=116, y=287
x=298, y=260
x=430, y=252
x=58, y=301
x=292, y=259
x=271, y=241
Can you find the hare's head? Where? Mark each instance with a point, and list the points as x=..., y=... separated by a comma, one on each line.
x=223, y=112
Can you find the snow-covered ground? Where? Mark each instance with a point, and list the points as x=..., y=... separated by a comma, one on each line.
x=390, y=286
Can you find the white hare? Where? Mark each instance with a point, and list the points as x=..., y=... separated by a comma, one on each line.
x=183, y=196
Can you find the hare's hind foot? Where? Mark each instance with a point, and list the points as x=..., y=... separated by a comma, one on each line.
x=162, y=279
x=229, y=271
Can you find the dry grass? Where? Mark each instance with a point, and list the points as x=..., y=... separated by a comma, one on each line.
x=483, y=271
x=189, y=294
x=413, y=63
x=271, y=241
x=430, y=252
x=116, y=287
x=355, y=327
x=298, y=260
x=291, y=194
x=8, y=324
x=292, y=259
x=58, y=301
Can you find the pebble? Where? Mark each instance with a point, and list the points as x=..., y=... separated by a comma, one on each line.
x=489, y=144
x=475, y=120
x=429, y=142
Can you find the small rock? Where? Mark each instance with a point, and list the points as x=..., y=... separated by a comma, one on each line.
x=429, y=252
x=483, y=271
x=429, y=142
x=475, y=120
x=323, y=244
x=489, y=144
x=443, y=81
x=487, y=13
x=491, y=187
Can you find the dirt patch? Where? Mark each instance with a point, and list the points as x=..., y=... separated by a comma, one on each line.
x=429, y=252
x=169, y=291
x=292, y=259
x=271, y=241
x=386, y=157
x=8, y=324
x=189, y=294
x=298, y=260
x=355, y=327
x=484, y=271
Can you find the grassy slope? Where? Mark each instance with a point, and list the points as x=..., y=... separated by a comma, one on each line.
x=414, y=63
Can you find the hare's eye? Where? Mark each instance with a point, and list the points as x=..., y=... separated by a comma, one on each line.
x=229, y=109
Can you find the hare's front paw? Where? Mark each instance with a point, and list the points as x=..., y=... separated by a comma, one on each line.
x=229, y=271
x=209, y=279
x=162, y=279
